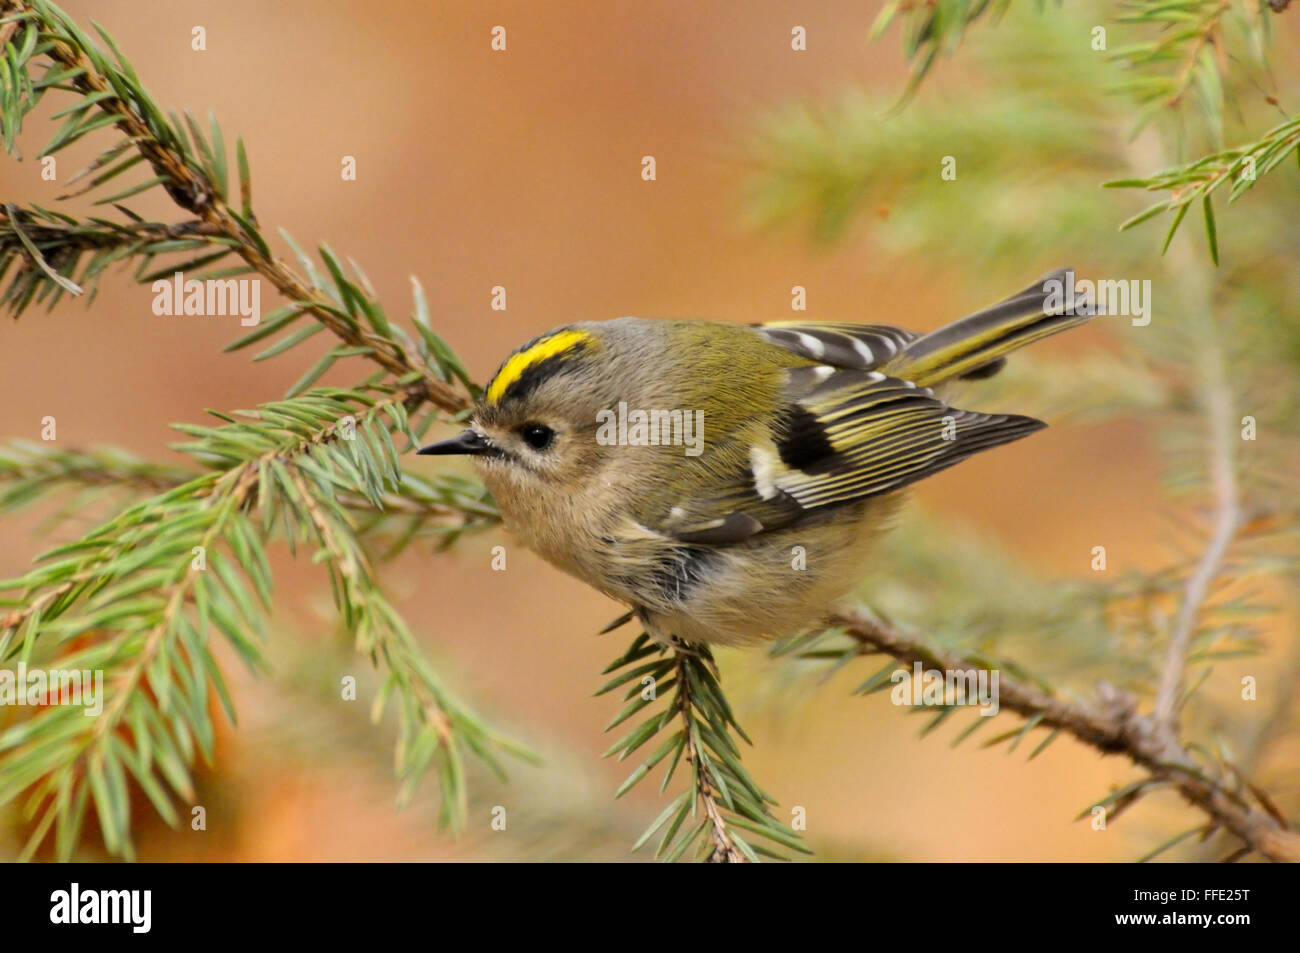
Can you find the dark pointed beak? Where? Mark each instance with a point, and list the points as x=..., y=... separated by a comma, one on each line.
x=471, y=442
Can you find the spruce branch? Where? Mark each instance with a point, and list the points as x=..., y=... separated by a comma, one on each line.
x=931, y=27
x=1191, y=50
x=49, y=248
x=1190, y=41
x=132, y=601
x=418, y=506
x=30, y=471
x=433, y=728
x=191, y=166
x=1241, y=167
x=1112, y=726
x=124, y=589
x=722, y=799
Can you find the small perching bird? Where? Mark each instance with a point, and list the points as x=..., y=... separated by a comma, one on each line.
x=727, y=482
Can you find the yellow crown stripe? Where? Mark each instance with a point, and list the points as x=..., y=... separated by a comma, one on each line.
x=515, y=367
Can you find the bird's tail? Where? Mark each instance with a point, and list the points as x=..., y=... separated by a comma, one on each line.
x=976, y=345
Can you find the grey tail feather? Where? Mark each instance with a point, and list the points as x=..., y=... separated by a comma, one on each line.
x=975, y=346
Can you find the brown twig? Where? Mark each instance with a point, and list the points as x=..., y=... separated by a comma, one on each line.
x=1112, y=727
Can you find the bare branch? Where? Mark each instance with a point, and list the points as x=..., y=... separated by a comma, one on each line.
x=1114, y=727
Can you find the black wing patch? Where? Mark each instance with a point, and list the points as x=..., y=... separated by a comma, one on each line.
x=804, y=441
x=882, y=433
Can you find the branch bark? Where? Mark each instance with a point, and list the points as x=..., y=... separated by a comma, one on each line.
x=1112, y=727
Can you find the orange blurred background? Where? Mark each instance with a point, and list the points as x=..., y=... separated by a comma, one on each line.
x=522, y=169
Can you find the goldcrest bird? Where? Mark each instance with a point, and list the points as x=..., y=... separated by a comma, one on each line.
x=725, y=481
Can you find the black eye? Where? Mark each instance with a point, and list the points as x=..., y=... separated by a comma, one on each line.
x=537, y=436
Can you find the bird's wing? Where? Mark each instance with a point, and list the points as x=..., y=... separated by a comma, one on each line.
x=842, y=436
x=860, y=347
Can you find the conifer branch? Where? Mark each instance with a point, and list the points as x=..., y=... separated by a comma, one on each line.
x=931, y=27
x=1241, y=168
x=1190, y=38
x=29, y=471
x=419, y=505
x=1190, y=51
x=722, y=799
x=1112, y=727
x=140, y=597
x=49, y=248
x=724, y=848
x=125, y=590
x=194, y=173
